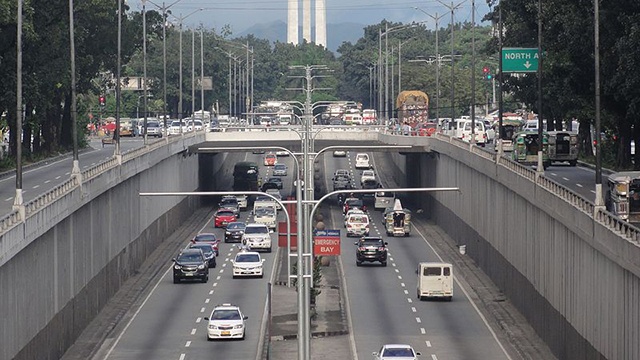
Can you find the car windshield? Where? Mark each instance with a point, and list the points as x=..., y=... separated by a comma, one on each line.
x=224, y=213
x=265, y=211
x=342, y=178
x=205, y=237
x=236, y=226
x=153, y=124
x=263, y=198
x=357, y=218
x=354, y=203
x=398, y=352
x=190, y=257
x=206, y=249
x=256, y=230
x=242, y=258
x=229, y=201
x=375, y=242
x=226, y=315
x=280, y=167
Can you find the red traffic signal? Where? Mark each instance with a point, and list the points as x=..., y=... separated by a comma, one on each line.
x=102, y=100
x=485, y=70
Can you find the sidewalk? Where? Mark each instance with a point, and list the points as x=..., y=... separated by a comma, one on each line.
x=329, y=330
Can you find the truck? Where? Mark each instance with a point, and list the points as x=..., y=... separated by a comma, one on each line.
x=369, y=117
x=245, y=176
x=412, y=107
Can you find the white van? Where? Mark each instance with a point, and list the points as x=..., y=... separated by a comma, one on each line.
x=480, y=133
x=362, y=161
x=383, y=200
x=435, y=280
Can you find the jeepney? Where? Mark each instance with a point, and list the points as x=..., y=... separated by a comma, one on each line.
x=526, y=146
x=563, y=146
x=623, y=195
x=510, y=127
x=397, y=220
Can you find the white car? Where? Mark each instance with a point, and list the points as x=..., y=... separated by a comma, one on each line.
x=339, y=153
x=226, y=322
x=491, y=132
x=265, y=215
x=352, y=211
x=257, y=236
x=247, y=263
x=282, y=153
x=276, y=194
x=242, y=201
x=195, y=125
x=357, y=224
x=396, y=352
x=362, y=161
x=367, y=175
x=177, y=127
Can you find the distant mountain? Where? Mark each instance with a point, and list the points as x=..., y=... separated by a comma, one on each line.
x=336, y=33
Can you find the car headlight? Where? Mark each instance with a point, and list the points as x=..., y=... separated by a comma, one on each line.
x=213, y=327
x=201, y=266
x=238, y=326
x=177, y=267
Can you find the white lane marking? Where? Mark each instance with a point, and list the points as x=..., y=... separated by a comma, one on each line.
x=202, y=310
x=418, y=320
x=554, y=174
x=193, y=331
x=402, y=284
x=58, y=177
x=409, y=300
x=182, y=356
x=406, y=292
x=8, y=199
x=399, y=277
x=37, y=186
x=393, y=264
x=397, y=270
x=198, y=319
x=48, y=181
x=187, y=344
x=390, y=258
x=565, y=179
x=225, y=264
x=221, y=271
x=423, y=331
x=67, y=173
x=215, y=284
x=218, y=277
x=413, y=309
x=210, y=292
x=579, y=185
x=206, y=301
x=464, y=291
x=593, y=191
x=433, y=356
x=428, y=343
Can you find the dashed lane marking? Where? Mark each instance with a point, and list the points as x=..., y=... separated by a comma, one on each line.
x=193, y=331
x=202, y=310
x=187, y=344
x=579, y=185
x=428, y=343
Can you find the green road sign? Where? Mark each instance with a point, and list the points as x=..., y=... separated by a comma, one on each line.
x=519, y=60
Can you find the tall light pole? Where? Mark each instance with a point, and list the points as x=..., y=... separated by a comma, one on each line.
x=599, y=198
x=540, y=167
x=180, y=22
x=18, y=204
x=201, y=75
x=164, y=9
x=144, y=67
x=436, y=18
x=452, y=8
x=74, y=107
x=386, y=61
x=473, y=72
x=116, y=132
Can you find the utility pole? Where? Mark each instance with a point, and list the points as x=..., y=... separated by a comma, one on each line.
x=452, y=8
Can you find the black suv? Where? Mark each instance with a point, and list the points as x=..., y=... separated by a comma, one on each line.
x=371, y=249
x=234, y=232
x=190, y=264
x=342, y=182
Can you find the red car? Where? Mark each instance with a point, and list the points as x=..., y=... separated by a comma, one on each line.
x=351, y=203
x=424, y=129
x=207, y=238
x=270, y=159
x=224, y=216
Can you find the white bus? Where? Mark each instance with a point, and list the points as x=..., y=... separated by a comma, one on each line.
x=435, y=280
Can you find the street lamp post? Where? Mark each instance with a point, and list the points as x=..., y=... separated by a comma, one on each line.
x=181, y=110
x=75, y=172
x=452, y=8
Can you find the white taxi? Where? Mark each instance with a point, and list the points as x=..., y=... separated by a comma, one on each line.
x=247, y=263
x=257, y=236
x=226, y=322
x=357, y=224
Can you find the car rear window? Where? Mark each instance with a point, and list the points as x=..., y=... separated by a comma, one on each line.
x=205, y=237
x=225, y=213
x=371, y=243
x=236, y=226
x=432, y=271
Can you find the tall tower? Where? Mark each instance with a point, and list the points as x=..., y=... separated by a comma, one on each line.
x=319, y=15
x=306, y=20
x=321, y=23
x=292, y=22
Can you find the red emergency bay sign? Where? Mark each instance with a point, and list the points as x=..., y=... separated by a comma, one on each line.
x=326, y=242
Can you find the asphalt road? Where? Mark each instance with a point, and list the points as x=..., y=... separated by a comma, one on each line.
x=170, y=323
x=383, y=304
x=47, y=175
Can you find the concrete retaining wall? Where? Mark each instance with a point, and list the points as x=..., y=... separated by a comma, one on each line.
x=575, y=280
x=68, y=270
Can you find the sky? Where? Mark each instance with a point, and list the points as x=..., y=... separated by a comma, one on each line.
x=242, y=14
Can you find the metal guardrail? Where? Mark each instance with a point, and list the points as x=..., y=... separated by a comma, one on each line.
x=50, y=196
x=625, y=229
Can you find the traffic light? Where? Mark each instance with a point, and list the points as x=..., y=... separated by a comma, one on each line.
x=103, y=100
x=486, y=71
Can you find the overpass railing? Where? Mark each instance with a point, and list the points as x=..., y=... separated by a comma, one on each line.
x=14, y=217
x=602, y=216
